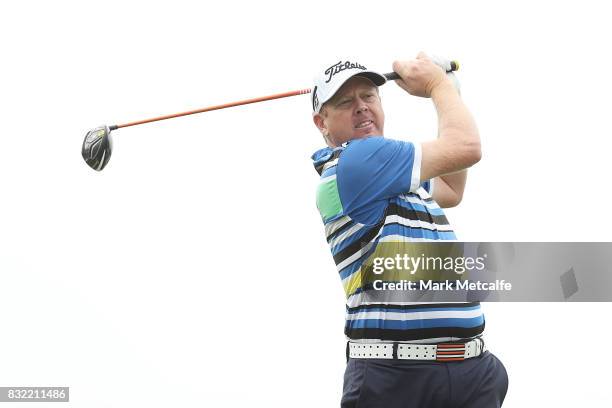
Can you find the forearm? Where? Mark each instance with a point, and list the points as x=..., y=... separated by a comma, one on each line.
x=456, y=126
x=448, y=189
x=458, y=145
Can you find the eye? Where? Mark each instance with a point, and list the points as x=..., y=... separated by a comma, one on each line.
x=344, y=102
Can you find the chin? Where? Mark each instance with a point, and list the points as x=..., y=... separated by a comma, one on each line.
x=368, y=134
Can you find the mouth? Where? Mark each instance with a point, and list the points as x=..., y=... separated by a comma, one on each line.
x=364, y=124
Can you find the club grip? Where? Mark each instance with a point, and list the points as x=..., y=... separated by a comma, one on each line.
x=392, y=76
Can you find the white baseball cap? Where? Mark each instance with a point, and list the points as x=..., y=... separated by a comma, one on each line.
x=328, y=82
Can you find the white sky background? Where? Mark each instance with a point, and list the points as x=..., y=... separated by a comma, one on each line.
x=158, y=281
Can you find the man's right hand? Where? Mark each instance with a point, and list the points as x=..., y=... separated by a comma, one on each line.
x=421, y=76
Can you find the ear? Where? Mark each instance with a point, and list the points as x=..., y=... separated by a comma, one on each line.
x=320, y=123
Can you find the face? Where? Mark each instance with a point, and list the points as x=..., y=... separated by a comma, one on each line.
x=354, y=112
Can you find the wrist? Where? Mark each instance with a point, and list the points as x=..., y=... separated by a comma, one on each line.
x=443, y=88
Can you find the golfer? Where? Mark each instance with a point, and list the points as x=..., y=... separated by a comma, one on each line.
x=375, y=190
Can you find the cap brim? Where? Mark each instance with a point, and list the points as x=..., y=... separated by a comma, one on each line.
x=376, y=78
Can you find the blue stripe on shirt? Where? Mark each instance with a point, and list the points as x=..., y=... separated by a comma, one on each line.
x=422, y=208
x=425, y=309
x=414, y=324
x=396, y=229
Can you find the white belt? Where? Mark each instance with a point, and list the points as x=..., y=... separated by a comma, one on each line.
x=405, y=351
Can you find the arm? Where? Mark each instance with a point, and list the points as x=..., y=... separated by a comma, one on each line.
x=458, y=145
x=448, y=189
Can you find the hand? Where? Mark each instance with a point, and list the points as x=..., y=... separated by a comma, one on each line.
x=421, y=76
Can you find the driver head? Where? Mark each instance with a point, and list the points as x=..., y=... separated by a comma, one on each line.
x=97, y=147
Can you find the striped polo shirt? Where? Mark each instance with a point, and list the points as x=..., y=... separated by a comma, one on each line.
x=370, y=193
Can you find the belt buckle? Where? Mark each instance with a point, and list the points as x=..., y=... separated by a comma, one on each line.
x=450, y=352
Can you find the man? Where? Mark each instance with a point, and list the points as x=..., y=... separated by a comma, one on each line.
x=375, y=191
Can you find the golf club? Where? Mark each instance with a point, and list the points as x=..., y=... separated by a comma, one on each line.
x=98, y=146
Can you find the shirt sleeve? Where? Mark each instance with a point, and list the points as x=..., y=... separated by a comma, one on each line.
x=373, y=170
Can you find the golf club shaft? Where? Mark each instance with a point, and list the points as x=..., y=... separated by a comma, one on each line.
x=391, y=76
x=215, y=107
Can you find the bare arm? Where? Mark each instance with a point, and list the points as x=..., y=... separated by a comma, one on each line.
x=458, y=144
x=448, y=189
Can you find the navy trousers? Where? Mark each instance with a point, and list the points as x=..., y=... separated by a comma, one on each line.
x=479, y=382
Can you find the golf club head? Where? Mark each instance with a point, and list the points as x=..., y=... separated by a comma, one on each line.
x=97, y=147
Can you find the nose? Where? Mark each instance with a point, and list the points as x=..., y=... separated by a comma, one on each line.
x=362, y=108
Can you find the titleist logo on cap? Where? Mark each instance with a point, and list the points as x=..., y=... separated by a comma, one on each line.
x=341, y=66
